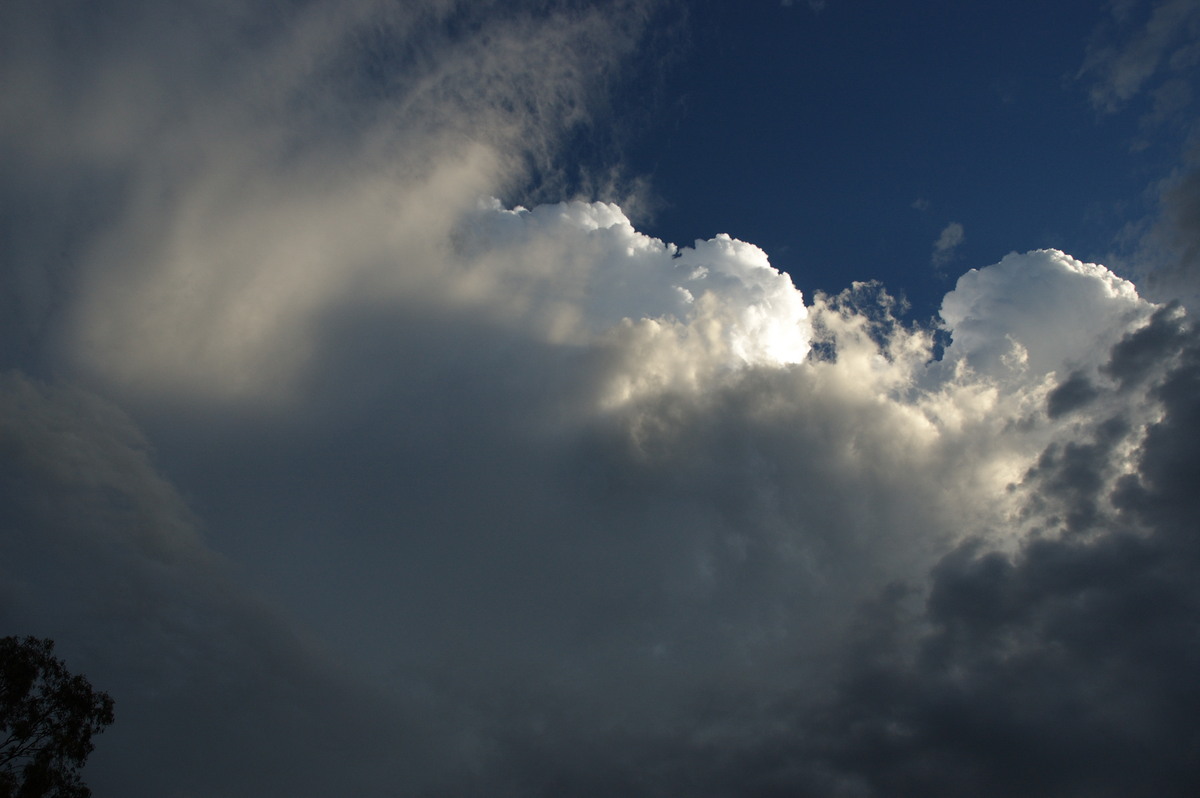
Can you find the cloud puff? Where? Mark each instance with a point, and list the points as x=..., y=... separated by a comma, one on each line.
x=717, y=304
x=1038, y=312
x=947, y=242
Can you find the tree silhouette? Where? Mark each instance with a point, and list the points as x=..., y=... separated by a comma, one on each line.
x=47, y=719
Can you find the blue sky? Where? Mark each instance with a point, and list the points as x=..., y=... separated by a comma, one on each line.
x=843, y=141
x=481, y=397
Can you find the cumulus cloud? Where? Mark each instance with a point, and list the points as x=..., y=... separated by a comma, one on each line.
x=715, y=305
x=1038, y=312
x=339, y=472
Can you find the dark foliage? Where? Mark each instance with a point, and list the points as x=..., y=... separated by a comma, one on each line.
x=47, y=718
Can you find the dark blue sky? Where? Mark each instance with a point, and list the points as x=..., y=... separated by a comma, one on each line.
x=843, y=142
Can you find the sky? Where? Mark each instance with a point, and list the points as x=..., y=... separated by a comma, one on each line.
x=638, y=397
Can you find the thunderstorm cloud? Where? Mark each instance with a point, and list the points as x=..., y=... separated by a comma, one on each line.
x=344, y=476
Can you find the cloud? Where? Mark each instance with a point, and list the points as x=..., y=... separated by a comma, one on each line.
x=1145, y=61
x=1165, y=42
x=231, y=176
x=102, y=553
x=947, y=242
x=1038, y=312
x=339, y=473
x=1071, y=395
x=716, y=304
x=1067, y=657
x=534, y=583
x=1166, y=256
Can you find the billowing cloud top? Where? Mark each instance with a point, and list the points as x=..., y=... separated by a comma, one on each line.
x=1039, y=312
x=719, y=301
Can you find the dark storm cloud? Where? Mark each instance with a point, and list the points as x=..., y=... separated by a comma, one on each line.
x=668, y=592
x=1064, y=668
x=1172, y=248
x=1135, y=357
x=538, y=557
x=1067, y=667
x=1072, y=394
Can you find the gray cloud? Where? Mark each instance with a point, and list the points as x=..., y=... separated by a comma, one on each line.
x=1076, y=392
x=1164, y=42
x=1066, y=666
x=1167, y=256
x=947, y=242
x=101, y=553
x=1145, y=61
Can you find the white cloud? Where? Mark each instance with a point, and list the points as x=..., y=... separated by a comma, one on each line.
x=594, y=267
x=1039, y=312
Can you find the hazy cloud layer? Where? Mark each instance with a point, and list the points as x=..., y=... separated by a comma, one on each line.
x=344, y=477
